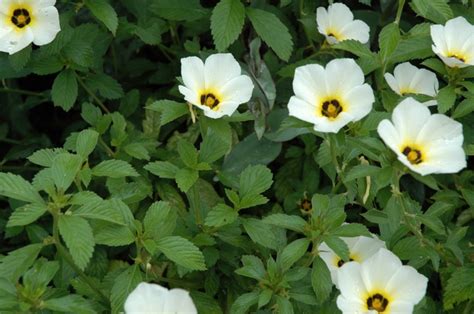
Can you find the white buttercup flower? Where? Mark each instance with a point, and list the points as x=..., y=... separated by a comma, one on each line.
x=25, y=21
x=408, y=79
x=337, y=24
x=330, y=97
x=360, y=249
x=454, y=42
x=150, y=298
x=216, y=86
x=425, y=143
x=381, y=284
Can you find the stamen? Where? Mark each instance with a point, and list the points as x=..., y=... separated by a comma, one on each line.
x=331, y=109
x=377, y=302
x=209, y=100
x=21, y=17
x=341, y=262
x=457, y=57
x=414, y=156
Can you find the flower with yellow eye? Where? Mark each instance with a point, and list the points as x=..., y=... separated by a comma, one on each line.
x=360, y=249
x=408, y=79
x=381, y=284
x=454, y=42
x=216, y=86
x=423, y=142
x=330, y=97
x=25, y=21
x=337, y=24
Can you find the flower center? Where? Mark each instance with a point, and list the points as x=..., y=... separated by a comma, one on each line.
x=414, y=156
x=331, y=108
x=209, y=100
x=305, y=205
x=21, y=17
x=341, y=262
x=455, y=55
x=377, y=302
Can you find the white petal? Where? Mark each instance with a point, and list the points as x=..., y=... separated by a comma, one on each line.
x=400, y=307
x=377, y=271
x=219, y=69
x=302, y=110
x=351, y=306
x=424, y=168
x=350, y=282
x=329, y=258
x=424, y=82
x=356, y=30
x=392, y=83
x=389, y=135
x=439, y=39
x=440, y=127
x=238, y=90
x=326, y=125
x=224, y=109
x=409, y=117
x=365, y=247
x=309, y=83
x=146, y=298
x=14, y=41
x=407, y=285
x=446, y=158
x=359, y=101
x=452, y=62
x=189, y=95
x=339, y=16
x=457, y=32
x=404, y=73
x=179, y=301
x=342, y=75
x=192, y=73
x=46, y=25
x=322, y=20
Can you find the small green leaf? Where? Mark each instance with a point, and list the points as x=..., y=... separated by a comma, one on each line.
x=17, y=262
x=86, y=142
x=70, y=303
x=185, y=178
x=292, y=253
x=170, y=110
x=182, y=252
x=338, y=246
x=261, y=233
x=14, y=186
x=160, y=220
x=290, y=222
x=446, y=98
x=437, y=11
x=351, y=230
x=361, y=171
x=27, y=214
x=227, y=20
x=179, y=10
x=123, y=285
x=255, y=180
x=107, y=86
x=100, y=210
x=104, y=12
x=188, y=153
x=77, y=234
x=162, y=169
x=388, y=40
x=355, y=47
x=114, y=169
x=64, y=169
x=65, y=89
x=321, y=279
x=221, y=215
x=212, y=147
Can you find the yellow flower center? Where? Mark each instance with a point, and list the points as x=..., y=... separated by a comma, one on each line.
x=457, y=56
x=413, y=155
x=377, y=302
x=20, y=17
x=331, y=108
x=341, y=262
x=333, y=33
x=353, y=257
x=210, y=100
x=407, y=90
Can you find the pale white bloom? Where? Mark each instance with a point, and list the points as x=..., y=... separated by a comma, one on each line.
x=217, y=86
x=408, y=79
x=454, y=42
x=330, y=97
x=426, y=143
x=25, y=21
x=337, y=24
x=360, y=249
x=381, y=284
x=148, y=298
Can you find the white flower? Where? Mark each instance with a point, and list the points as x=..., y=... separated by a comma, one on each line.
x=425, y=143
x=150, y=298
x=360, y=249
x=380, y=284
x=330, y=97
x=337, y=24
x=454, y=43
x=408, y=79
x=25, y=21
x=216, y=86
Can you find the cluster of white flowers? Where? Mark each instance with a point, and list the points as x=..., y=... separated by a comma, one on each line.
x=374, y=280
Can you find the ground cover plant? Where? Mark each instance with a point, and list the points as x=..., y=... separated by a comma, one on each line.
x=259, y=156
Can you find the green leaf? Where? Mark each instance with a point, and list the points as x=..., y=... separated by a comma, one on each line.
x=188, y=153
x=123, y=285
x=255, y=180
x=338, y=246
x=213, y=147
x=437, y=11
x=272, y=31
x=27, y=214
x=100, y=210
x=355, y=47
x=290, y=222
x=351, y=230
x=17, y=262
x=361, y=171
x=64, y=91
x=446, y=98
x=162, y=169
x=434, y=223
x=104, y=12
x=182, y=252
x=114, y=169
x=185, y=178
x=221, y=215
x=179, y=10
x=388, y=40
x=227, y=21
x=137, y=150
x=20, y=59
x=86, y=142
x=113, y=235
x=292, y=253
x=261, y=233
x=64, y=169
x=464, y=108
x=107, y=86
x=77, y=234
x=170, y=110
x=70, y=303
x=412, y=48
x=460, y=287
x=321, y=279
x=14, y=186
x=252, y=267
x=160, y=220
x=243, y=303
x=45, y=157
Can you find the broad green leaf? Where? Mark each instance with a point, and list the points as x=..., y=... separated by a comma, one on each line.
x=162, y=169
x=100, y=210
x=251, y=200
x=123, y=285
x=434, y=223
x=77, y=234
x=355, y=47
x=464, y=108
x=185, y=178
x=137, y=150
x=412, y=47
x=20, y=59
x=14, y=186
x=107, y=86
x=221, y=215
x=446, y=98
x=70, y=303
x=351, y=230
x=160, y=220
x=252, y=267
x=243, y=303
x=86, y=142
x=179, y=10
x=17, y=262
x=188, y=153
x=114, y=169
x=361, y=171
x=459, y=288
x=227, y=21
x=261, y=233
x=338, y=246
x=212, y=147
x=113, y=235
x=437, y=11
x=65, y=89
x=27, y=214
x=272, y=31
x=104, y=12
x=182, y=252
x=170, y=110
x=388, y=40
x=255, y=180
x=290, y=222
x=64, y=169
x=44, y=157
x=292, y=253
x=321, y=279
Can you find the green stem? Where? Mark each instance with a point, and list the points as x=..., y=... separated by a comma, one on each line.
x=96, y=99
x=20, y=91
x=109, y=150
x=401, y=4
